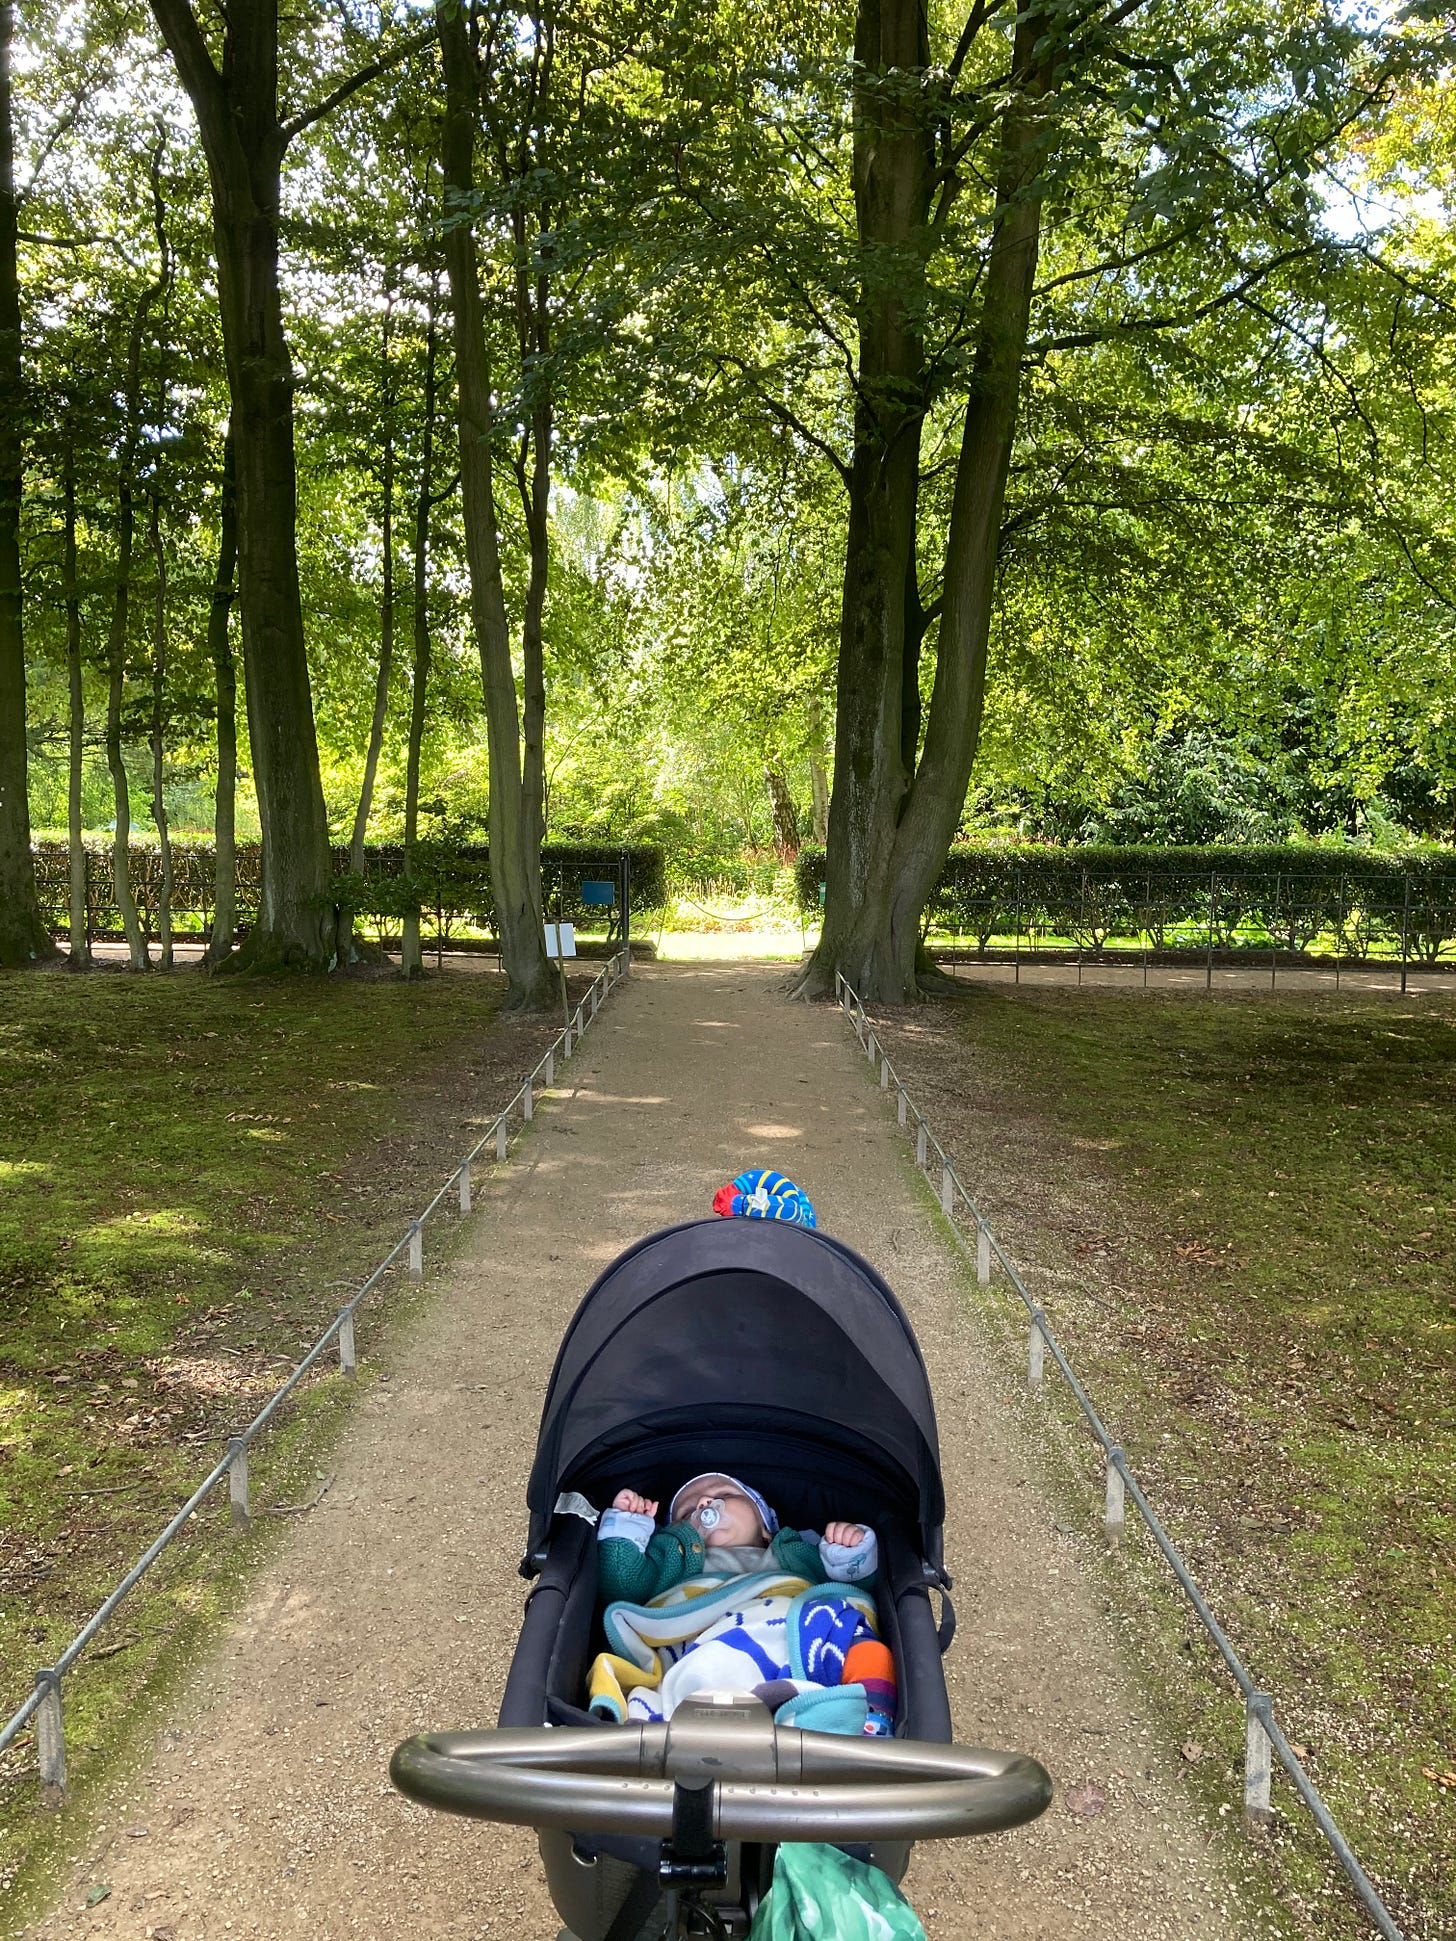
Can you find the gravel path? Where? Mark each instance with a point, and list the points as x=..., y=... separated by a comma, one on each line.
x=264, y=1808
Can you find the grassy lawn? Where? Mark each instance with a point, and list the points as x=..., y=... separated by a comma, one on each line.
x=192, y=1171
x=1257, y=1200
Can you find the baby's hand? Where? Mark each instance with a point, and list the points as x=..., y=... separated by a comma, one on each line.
x=628, y=1499
x=850, y=1535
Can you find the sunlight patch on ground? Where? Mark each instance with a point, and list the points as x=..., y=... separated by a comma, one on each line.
x=13, y=1171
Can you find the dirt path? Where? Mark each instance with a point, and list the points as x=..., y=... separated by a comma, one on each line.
x=265, y=1809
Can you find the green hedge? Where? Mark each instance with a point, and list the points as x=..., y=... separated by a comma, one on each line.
x=1235, y=897
x=453, y=881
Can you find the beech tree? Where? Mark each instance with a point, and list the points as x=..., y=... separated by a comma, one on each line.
x=23, y=937
x=515, y=874
x=236, y=100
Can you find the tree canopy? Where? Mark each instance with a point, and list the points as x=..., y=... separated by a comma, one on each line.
x=605, y=419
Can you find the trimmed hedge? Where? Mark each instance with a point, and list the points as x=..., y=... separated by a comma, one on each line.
x=453, y=881
x=1279, y=897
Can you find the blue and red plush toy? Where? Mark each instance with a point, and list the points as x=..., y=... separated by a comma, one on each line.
x=763, y=1195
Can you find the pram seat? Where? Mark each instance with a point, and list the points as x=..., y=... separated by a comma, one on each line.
x=775, y=1353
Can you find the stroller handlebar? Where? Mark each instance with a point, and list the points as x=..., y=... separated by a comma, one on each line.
x=770, y=1783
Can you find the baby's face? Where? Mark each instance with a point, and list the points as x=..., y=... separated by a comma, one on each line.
x=721, y=1514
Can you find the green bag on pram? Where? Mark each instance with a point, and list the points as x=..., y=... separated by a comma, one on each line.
x=820, y=1894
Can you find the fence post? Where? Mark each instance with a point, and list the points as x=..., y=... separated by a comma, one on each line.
x=465, y=1188
x=1035, y=1353
x=901, y=1103
x=1274, y=940
x=872, y=1047
x=1208, y=978
x=1341, y=923
x=500, y=1137
x=566, y=1042
x=920, y=1144
x=1258, y=1764
x=580, y=1024
x=596, y=999
x=1405, y=932
x=348, y=1362
x=528, y=1101
x=550, y=1078
x=884, y=1073
x=983, y=1252
x=1114, y=1516
x=947, y=1190
x=50, y=1731
x=238, y=1481
x=417, y=1252
x=1016, y=939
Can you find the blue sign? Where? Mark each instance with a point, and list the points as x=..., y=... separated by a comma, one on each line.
x=603, y=895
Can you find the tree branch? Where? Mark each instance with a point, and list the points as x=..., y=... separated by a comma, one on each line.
x=308, y=116
x=786, y=417
x=1084, y=339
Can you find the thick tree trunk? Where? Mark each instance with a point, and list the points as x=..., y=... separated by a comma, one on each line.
x=410, y=961
x=514, y=872
x=23, y=936
x=237, y=114
x=80, y=952
x=159, y=689
x=219, y=647
x=386, y=611
x=891, y=823
x=892, y=186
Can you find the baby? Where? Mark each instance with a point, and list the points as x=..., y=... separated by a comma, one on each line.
x=718, y=1526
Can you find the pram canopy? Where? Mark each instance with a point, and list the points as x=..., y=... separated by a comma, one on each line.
x=769, y=1350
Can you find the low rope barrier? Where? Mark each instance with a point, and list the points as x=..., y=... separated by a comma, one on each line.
x=43, y=1703
x=1263, y=1734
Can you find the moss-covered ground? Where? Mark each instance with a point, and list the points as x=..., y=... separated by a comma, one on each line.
x=193, y=1173
x=1241, y=1217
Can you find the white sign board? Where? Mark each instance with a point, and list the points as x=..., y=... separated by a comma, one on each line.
x=567, y=944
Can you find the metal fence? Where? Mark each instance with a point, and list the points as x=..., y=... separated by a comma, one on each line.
x=1264, y=1737
x=43, y=1703
x=1285, y=920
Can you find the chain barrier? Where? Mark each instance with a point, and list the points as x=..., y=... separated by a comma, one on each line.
x=1263, y=1734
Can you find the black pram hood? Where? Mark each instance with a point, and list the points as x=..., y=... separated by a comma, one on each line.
x=765, y=1349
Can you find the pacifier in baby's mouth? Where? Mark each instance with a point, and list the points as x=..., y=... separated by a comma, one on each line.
x=708, y=1516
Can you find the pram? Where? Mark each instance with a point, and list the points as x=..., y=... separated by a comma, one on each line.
x=772, y=1352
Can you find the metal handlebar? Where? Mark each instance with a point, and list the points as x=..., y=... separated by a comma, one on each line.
x=770, y=1782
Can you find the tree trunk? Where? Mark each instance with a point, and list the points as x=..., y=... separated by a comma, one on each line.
x=514, y=873
x=237, y=114
x=785, y=815
x=159, y=680
x=80, y=953
x=386, y=610
x=410, y=963
x=892, y=186
x=219, y=647
x=23, y=936
x=891, y=823
x=533, y=329
x=138, y=955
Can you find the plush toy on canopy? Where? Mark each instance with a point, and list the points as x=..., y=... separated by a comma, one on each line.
x=763, y=1195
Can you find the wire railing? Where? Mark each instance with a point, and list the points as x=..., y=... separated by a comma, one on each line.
x=1264, y=1738
x=43, y=1702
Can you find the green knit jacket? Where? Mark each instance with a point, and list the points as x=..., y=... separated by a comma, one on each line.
x=625, y=1572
